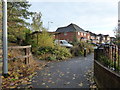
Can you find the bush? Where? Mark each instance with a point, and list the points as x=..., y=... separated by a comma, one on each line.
x=79, y=49
x=104, y=60
x=52, y=53
x=62, y=53
x=45, y=40
x=52, y=57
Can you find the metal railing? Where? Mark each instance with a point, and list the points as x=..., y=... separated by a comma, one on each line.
x=109, y=56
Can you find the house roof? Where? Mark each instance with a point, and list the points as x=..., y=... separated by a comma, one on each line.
x=70, y=28
x=100, y=35
x=106, y=35
x=92, y=34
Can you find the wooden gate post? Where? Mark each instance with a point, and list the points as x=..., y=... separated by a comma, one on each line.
x=25, y=55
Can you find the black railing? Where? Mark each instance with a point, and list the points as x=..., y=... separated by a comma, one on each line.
x=109, y=56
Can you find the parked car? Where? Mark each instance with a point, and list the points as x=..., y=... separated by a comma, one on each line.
x=63, y=43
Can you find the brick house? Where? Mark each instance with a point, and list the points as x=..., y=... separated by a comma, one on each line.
x=107, y=38
x=71, y=32
x=112, y=39
x=93, y=37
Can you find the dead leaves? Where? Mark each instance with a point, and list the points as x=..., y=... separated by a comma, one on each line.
x=81, y=84
x=43, y=83
x=90, y=77
x=67, y=83
x=20, y=74
x=49, y=74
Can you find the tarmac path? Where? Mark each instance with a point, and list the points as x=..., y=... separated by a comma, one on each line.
x=72, y=73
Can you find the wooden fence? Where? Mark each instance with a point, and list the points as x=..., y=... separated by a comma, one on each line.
x=25, y=53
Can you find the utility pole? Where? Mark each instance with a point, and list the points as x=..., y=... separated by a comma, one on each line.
x=5, y=46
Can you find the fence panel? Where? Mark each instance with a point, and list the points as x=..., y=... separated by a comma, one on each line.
x=20, y=52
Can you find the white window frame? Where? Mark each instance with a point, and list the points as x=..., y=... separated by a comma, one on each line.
x=65, y=33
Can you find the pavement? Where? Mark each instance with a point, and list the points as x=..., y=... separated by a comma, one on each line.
x=70, y=73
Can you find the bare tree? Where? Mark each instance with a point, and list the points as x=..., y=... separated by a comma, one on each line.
x=36, y=21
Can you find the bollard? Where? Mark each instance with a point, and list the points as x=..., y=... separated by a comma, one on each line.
x=85, y=52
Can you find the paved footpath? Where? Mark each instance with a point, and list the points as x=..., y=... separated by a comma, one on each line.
x=65, y=74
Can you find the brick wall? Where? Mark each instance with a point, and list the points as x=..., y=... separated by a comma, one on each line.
x=65, y=36
x=81, y=34
x=69, y=36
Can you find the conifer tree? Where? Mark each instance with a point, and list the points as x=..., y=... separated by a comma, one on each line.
x=17, y=26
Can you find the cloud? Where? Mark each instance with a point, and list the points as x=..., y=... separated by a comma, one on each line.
x=99, y=16
x=73, y=0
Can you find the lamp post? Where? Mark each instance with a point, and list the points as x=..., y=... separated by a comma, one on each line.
x=49, y=24
x=5, y=51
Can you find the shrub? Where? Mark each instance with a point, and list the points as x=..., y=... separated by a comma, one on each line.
x=62, y=52
x=52, y=53
x=45, y=40
x=52, y=57
x=79, y=48
x=104, y=60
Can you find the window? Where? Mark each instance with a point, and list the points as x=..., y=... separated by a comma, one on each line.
x=88, y=37
x=78, y=33
x=108, y=38
x=81, y=34
x=84, y=34
x=65, y=33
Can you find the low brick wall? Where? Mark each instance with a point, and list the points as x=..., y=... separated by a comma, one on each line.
x=104, y=77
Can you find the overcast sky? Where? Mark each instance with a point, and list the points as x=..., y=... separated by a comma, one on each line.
x=93, y=15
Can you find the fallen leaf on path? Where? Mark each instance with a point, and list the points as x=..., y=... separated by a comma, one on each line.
x=81, y=84
x=68, y=72
x=49, y=74
x=30, y=86
x=74, y=75
x=73, y=78
x=49, y=81
x=67, y=83
x=43, y=83
x=53, y=82
x=47, y=86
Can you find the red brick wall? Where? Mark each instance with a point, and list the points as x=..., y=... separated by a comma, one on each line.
x=88, y=36
x=81, y=34
x=70, y=35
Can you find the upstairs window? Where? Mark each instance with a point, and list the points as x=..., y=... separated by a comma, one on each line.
x=65, y=33
x=84, y=34
x=81, y=34
x=88, y=37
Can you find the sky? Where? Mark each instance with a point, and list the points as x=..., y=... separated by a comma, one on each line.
x=97, y=16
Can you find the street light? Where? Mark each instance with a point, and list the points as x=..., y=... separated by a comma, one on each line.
x=49, y=24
